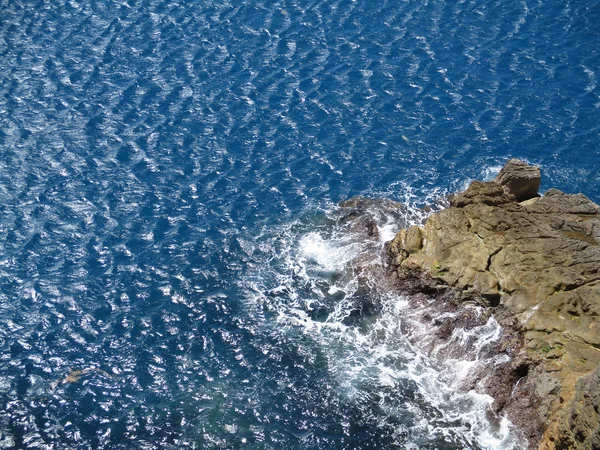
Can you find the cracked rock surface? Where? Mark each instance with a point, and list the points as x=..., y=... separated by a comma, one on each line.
x=535, y=263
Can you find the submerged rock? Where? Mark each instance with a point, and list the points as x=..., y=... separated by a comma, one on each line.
x=535, y=263
x=488, y=193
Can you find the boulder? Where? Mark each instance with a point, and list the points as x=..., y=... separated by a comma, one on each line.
x=360, y=215
x=520, y=179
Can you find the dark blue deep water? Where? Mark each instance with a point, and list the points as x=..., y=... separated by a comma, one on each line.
x=168, y=176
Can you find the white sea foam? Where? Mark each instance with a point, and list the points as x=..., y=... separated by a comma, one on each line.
x=390, y=351
x=387, y=232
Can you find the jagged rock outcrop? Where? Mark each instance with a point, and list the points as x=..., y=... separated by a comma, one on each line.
x=520, y=179
x=535, y=262
x=581, y=428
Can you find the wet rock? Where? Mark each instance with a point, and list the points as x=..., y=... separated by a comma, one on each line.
x=445, y=328
x=520, y=179
x=359, y=219
x=364, y=225
x=361, y=215
x=358, y=206
x=536, y=264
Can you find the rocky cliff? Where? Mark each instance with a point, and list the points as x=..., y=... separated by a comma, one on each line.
x=533, y=262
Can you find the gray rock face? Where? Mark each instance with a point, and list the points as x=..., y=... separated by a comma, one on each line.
x=536, y=266
x=582, y=426
x=520, y=179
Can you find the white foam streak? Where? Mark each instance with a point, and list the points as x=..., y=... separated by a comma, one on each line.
x=328, y=254
x=387, y=232
x=372, y=355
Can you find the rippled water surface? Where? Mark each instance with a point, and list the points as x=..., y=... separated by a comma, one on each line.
x=172, y=274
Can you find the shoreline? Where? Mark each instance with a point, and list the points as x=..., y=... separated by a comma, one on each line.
x=533, y=262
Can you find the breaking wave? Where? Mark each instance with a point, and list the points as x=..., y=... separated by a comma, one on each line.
x=323, y=282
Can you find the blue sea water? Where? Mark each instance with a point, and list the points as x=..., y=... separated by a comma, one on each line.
x=170, y=271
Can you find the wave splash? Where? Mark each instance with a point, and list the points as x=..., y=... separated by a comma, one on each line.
x=398, y=359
